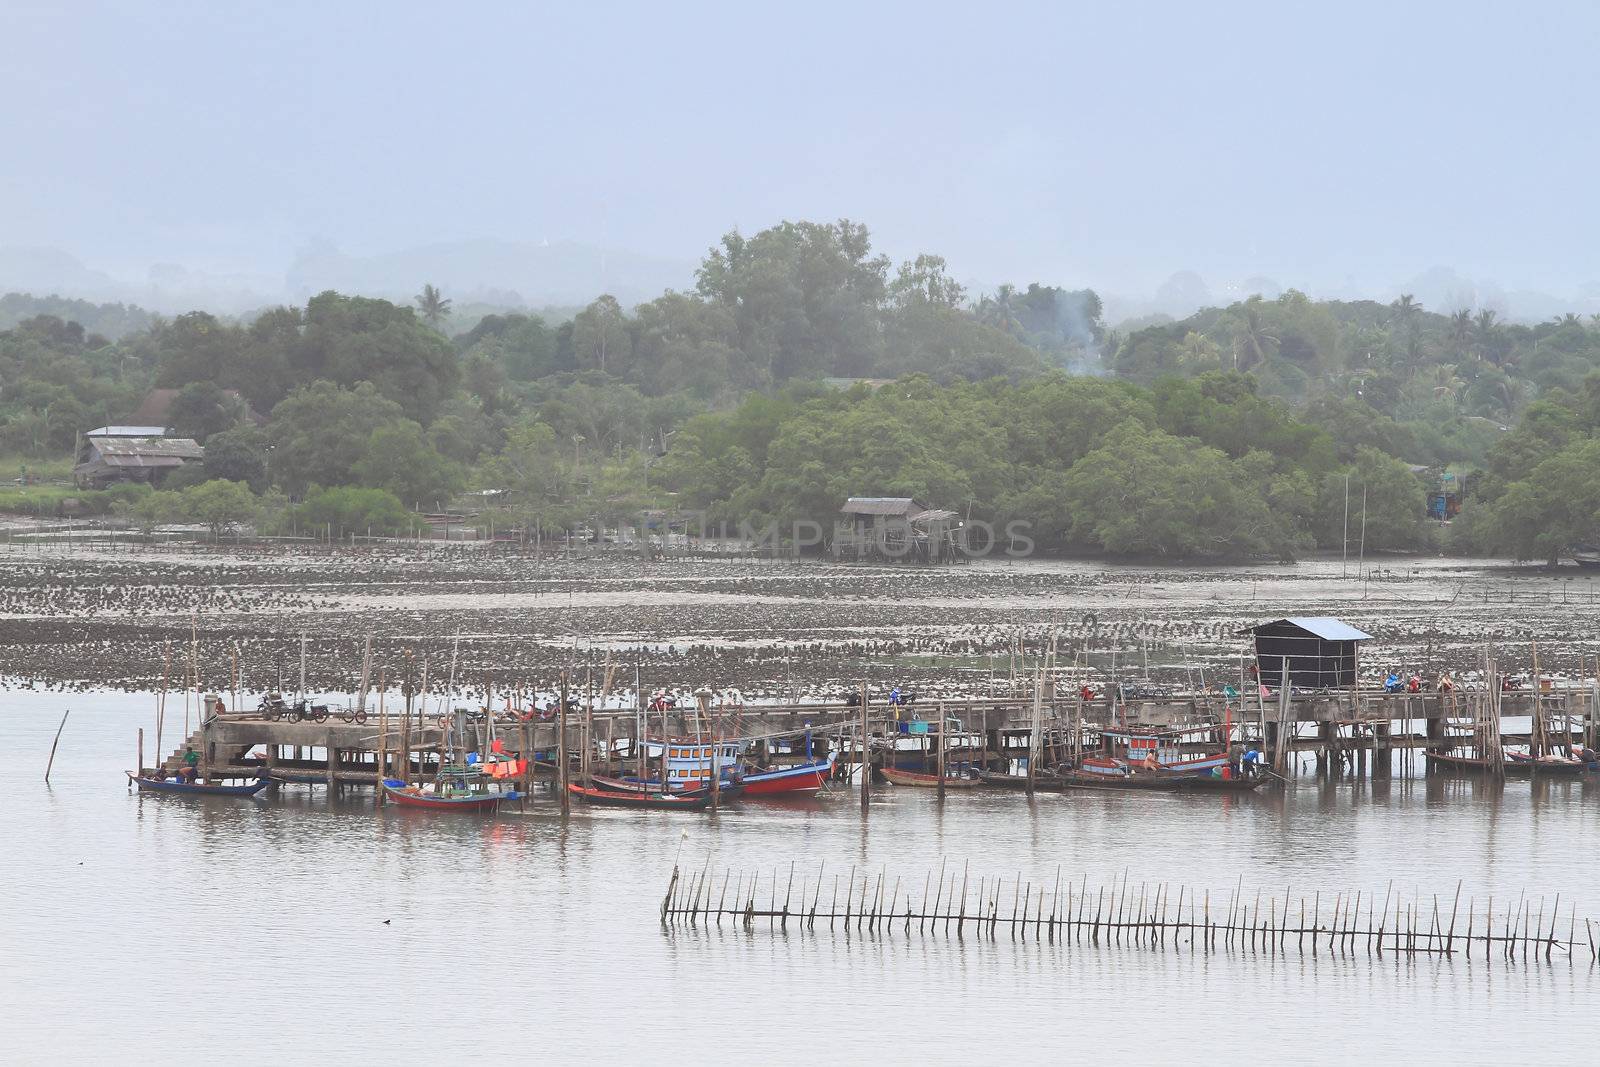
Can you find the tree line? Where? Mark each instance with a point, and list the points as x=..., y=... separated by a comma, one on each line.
x=761, y=394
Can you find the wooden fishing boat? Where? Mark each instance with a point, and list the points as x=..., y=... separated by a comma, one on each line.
x=728, y=791
x=612, y=798
x=1044, y=781
x=895, y=776
x=1450, y=763
x=1160, y=781
x=165, y=785
x=809, y=777
x=412, y=796
x=1523, y=765
x=1151, y=754
x=1515, y=765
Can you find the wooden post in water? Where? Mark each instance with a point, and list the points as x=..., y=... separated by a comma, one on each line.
x=52, y=761
x=383, y=743
x=942, y=749
x=587, y=759
x=561, y=751
x=716, y=772
x=1036, y=723
x=333, y=763
x=864, y=764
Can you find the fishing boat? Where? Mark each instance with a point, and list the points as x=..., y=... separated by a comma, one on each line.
x=1451, y=763
x=1522, y=764
x=1159, y=781
x=728, y=789
x=1514, y=765
x=808, y=777
x=1043, y=781
x=167, y=785
x=896, y=776
x=689, y=764
x=450, y=793
x=1125, y=750
x=616, y=798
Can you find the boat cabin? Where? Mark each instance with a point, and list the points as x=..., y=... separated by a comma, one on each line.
x=1128, y=749
x=689, y=762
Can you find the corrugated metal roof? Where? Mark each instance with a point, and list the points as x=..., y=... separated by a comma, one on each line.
x=142, y=461
x=127, y=431
x=1323, y=626
x=881, y=505
x=174, y=447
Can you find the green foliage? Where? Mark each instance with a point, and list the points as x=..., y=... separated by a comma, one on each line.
x=239, y=455
x=1147, y=493
x=600, y=338
x=321, y=431
x=1092, y=464
x=201, y=409
x=433, y=305
x=108, y=321
x=354, y=339
x=1551, y=509
x=521, y=344
x=400, y=459
x=1389, y=494
x=347, y=509
x=56, y=380
x=218, y=504
x=342, y=339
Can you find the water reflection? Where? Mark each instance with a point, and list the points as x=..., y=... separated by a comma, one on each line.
x=258, y=908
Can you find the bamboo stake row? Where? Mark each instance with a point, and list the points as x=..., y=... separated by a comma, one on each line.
x=1150, y=916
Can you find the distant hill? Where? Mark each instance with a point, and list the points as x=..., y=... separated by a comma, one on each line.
x=111, y=321
x=50, y=270
x=490, y=271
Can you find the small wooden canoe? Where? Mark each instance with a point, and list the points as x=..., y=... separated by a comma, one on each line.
x=1043, y=782
x=1161, y=781
x=1515, y=766
x=163, y=785
x=927, y=781
x=728, y=791
x=410, y=796
x=1526, y=766
x=612, y=798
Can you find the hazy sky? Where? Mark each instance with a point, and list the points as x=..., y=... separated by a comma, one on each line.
x=1107, y=144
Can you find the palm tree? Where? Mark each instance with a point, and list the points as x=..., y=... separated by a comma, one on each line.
x=1486, y=332
x=435, y=307
x=1407, y=314
x=1510, y=394
x=1446, y=386
x=1254, y=337
x=999, y=310
x=1460, y=330
x=1406, y=308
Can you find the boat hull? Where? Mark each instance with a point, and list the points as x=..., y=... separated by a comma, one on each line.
x=1158, y=781
x=805, y=778
x=408, y=797
x=153, y=785
x=1514, y=768
x=926, y=781
x=728, y=791
x=607, y=798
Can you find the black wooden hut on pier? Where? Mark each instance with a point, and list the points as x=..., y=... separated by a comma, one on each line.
x=1321, y=652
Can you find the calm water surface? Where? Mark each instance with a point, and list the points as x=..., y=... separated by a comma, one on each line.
x=134, y=928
